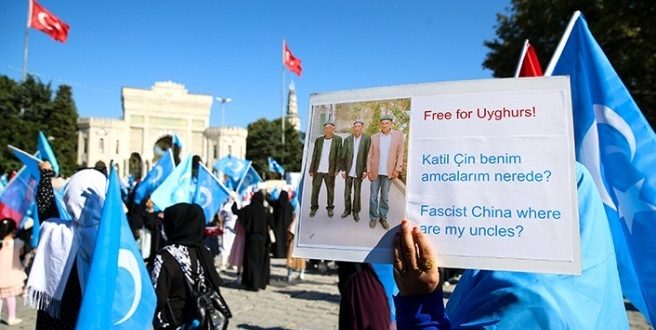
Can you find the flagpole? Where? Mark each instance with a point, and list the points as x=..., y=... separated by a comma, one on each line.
x=282, y=100
x=561, y=44
x=26, y=40
x=282, y=94
x=521, y=58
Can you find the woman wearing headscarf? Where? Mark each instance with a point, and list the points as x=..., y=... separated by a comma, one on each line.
x=256, y=221
x=282, y=218
x=63, y=257
x=184, y=258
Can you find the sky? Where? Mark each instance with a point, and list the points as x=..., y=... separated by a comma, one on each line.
x=233, y=48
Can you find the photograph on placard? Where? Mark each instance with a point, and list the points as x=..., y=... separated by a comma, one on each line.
x=355, y=173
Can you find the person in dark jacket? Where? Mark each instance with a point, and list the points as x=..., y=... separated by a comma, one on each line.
x=282, y=218
x=256, y=221
x=184, y=256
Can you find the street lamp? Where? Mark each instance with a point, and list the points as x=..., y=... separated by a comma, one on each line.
x=223, y=101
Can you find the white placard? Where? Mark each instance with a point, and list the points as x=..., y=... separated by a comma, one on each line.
x=490, y=177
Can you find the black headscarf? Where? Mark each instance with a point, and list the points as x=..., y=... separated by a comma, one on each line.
x=184, y=224
x=258, y=197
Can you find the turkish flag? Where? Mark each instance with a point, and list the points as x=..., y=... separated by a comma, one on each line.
x=290, y=61
x=529, y=65
x=44, y=21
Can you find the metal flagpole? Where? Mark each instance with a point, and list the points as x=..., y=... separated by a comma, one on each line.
x=27, y=38
x=282, y=101
x=282, y=95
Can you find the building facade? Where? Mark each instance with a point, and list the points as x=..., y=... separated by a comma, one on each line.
x=151, y=117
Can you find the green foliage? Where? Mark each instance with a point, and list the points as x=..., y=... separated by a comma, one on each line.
x=265, y=140
x=62, y=125
x=623, y=28
x=10, y=108
x=29, y=107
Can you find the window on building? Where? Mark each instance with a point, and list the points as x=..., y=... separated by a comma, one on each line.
x=101, y=145
x=86, y=146
x=229, y=150
x=117, y=147
x=216, y=151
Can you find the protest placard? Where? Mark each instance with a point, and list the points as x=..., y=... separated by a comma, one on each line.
x=486, y=171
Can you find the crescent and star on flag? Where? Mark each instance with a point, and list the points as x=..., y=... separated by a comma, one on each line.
x=43, y=20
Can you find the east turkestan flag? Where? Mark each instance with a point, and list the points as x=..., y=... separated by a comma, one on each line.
x=616, y=144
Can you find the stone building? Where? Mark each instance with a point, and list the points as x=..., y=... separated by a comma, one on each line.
x=150, y=119
x=292, y=108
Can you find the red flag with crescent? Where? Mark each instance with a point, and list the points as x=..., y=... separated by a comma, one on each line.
x=290, y=61
x=44, y=21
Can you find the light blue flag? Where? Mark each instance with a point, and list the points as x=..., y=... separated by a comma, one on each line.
x=275, y=193
x=516, y=300
x=274, y=166
x=295, y=203
x=61, y=207
x=250, y=178
x=176, y=141
x=176, y=188
x=233, y=167
x=385, y=274
x=210, y=193
x=118, y=293
x=618, y=147
x=155, y=177
x=46, y=153
x=36, y=227
x=18, y=196
x=31, y=162
x=32, y=169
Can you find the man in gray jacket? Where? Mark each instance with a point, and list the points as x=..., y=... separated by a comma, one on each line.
x=353, y=166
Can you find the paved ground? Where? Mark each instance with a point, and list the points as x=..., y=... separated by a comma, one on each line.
x=309, y=304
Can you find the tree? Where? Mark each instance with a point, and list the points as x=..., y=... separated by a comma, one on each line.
x=27, y=107
x=623, y=29
x=264, y=140
x=62, y=125
x=10, y=107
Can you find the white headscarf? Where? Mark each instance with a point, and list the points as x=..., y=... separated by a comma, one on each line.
x=61, y=241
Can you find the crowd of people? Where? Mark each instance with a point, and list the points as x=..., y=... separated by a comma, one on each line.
x=176, y=244
x=258, y=226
